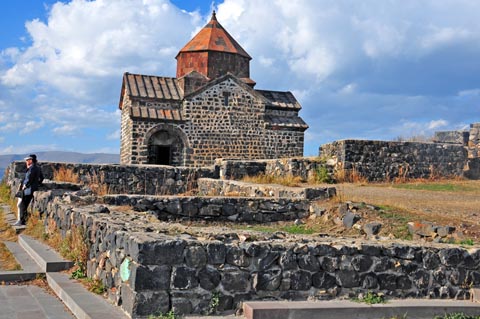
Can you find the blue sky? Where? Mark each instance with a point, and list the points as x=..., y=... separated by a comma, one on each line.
x=365, y=69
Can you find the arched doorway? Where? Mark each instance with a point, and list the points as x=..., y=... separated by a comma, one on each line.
x=166, y=146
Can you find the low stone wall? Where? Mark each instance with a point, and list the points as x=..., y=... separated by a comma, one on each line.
x=380, y=160
x=150, y=267
x=303, y=167
x=233, y=209
x=215, y=187
x=118, y=179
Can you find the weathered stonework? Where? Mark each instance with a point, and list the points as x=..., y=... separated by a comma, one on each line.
x=215, y=187
x=150, y=266
x=210, y=111
x=186, y=269
x=380, y=160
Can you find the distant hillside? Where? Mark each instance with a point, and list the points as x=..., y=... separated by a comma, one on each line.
x=58, y=156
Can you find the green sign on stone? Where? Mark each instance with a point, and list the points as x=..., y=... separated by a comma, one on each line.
x=125, y=269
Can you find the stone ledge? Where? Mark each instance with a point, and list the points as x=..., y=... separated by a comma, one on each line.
x=215, y=187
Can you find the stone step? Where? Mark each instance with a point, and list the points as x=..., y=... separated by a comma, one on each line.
x=46, y=257
x=11, y=218
x=81, y=302
x=23, y=258
x=344, y=309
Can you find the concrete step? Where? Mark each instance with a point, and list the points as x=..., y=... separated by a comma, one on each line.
x=46, y=257
x=82, y=303
x=344, y=309
x=11, y=219
x=29, y=268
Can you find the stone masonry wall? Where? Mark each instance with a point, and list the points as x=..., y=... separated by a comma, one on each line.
x=227, y=209
x=474, y=141
x=215, y=187
x=304, y=167
x=148, y=268
x=126, y=135
x=381, y=160
x=216, y=130
x=118, y=179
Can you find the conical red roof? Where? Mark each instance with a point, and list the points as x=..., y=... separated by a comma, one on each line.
x=213, y=37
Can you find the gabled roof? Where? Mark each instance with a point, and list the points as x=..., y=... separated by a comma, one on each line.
x=280, y=100
x=150, y=87
x=214, y=82
x=213, y=37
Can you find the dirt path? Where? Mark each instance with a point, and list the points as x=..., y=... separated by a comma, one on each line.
x=460, y=209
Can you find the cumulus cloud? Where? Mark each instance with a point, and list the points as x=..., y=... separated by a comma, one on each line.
x=361, y=69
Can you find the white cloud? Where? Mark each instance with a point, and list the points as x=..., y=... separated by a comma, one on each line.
x=372, y=69
x=436, y=124
x=31, y=126
x=348, y=89
x=67, y=129
x=114, y=135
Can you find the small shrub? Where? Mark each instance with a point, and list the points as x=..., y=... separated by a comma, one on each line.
x=321, y=175
x=94, y=285
x=372, y=298
x=349, y=176
x=64, y=174
x=79, y=273
x=214, y=302
x=169, y=315
x=467, y=242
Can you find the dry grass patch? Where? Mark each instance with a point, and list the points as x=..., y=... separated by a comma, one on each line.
x=288, y=180
x=64, y=174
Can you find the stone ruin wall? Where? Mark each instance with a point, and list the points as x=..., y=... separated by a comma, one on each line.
x=123, y=179
x=383, y=161
x=149, y=268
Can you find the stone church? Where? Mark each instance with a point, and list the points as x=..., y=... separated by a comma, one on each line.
x=209, y=110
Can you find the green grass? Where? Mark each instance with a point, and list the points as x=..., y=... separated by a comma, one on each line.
x=467, y=242
x=437, y=187
x=371, y=298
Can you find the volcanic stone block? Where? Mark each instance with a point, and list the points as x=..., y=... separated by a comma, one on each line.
x=347, y=278
x=195, y=256
x=209, y=278
x=267, y=280
x=323, y=280
x=300, y=280
x=309, y=262
x=184, y=278
x=235, y=280
x=216, y=253
x=150, y=277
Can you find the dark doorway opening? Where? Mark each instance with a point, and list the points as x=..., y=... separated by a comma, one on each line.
x=162, y=155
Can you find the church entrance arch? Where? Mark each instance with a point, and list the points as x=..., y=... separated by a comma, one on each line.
x=166, y=145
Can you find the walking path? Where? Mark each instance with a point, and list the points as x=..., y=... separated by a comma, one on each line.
x=37, y=260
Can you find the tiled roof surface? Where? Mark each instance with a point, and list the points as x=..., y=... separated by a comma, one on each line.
x=285, y=122
x=148, y=86
x=213, y=37
x=280, y=100
x=152, y=113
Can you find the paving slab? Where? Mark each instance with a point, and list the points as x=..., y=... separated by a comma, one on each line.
x=344, y=309
x=46, y=257
x=11, y=218
x=82, y=303
x=29, y=301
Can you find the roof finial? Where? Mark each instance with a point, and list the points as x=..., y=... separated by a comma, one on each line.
x=214, y=16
